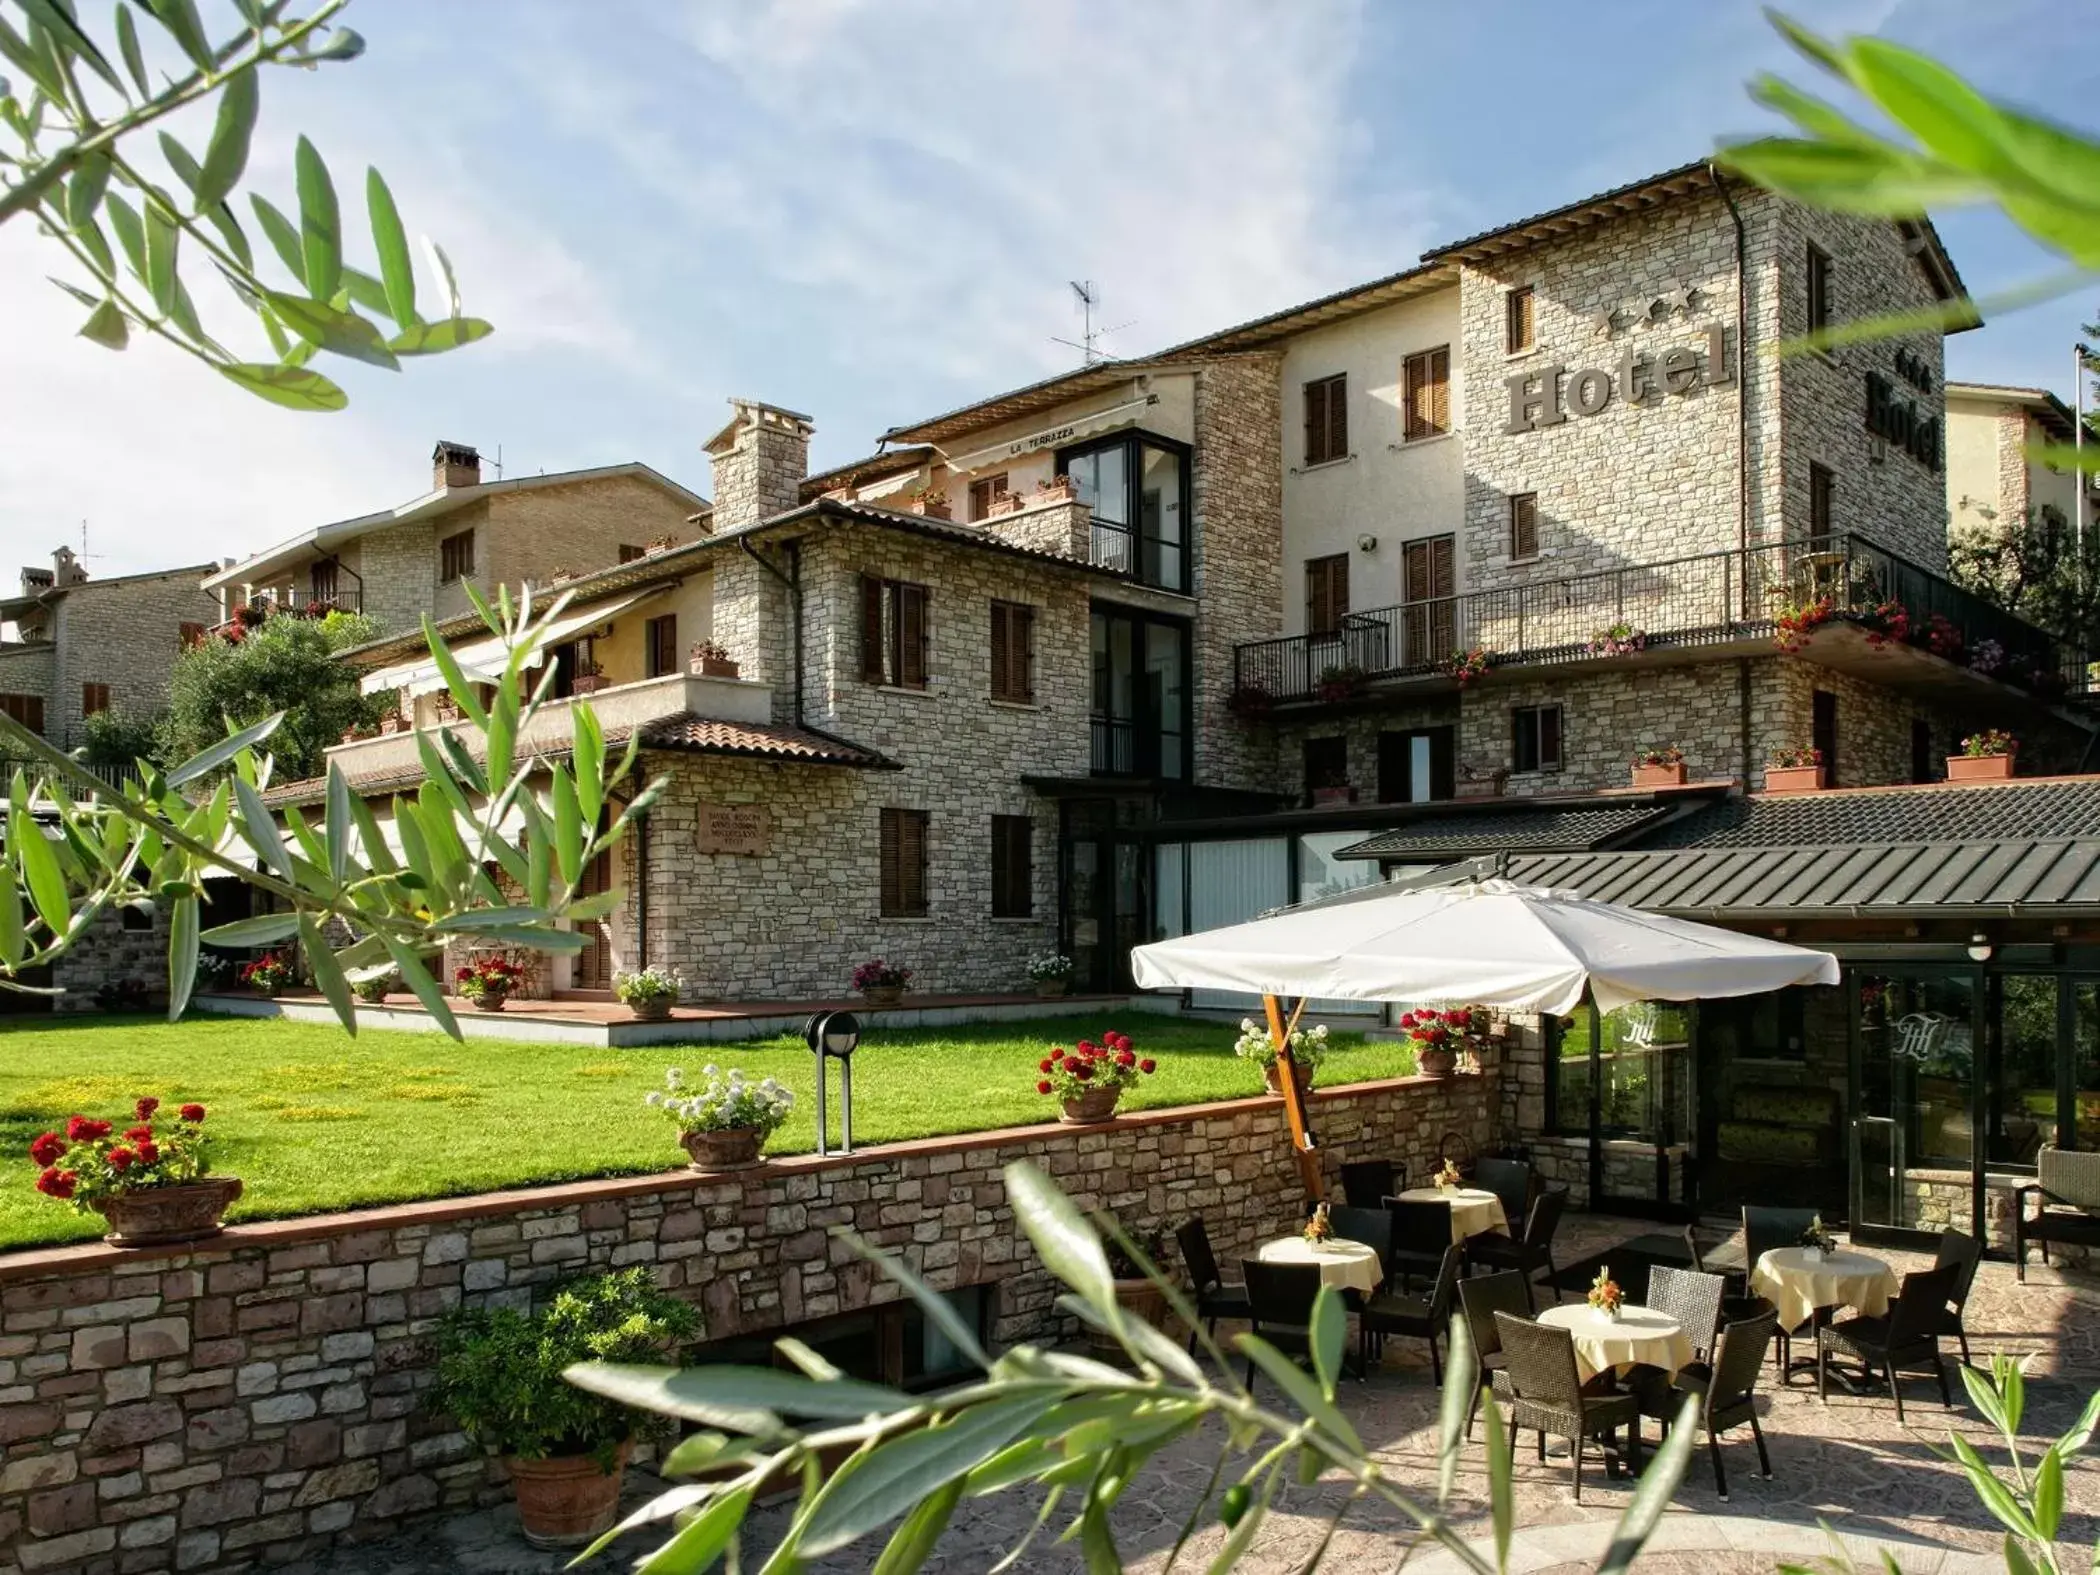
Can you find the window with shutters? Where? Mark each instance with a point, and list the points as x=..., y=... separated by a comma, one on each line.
x=1822, y=503
x=1327, y=419
x=660, y=645
x=1326, y=593
x=25, y=709
x=1818, y=273
x=630, y=553
x=1519, y=320
x=904, y=863
x=1013, y=652
x=893, y=633
x=983, y=491
x=1013, y=867
x=1426, y=381
x=1535, y=738
x=1523, y=524
x=190, y=634
x=1429, y=583
x=93, y=698
x=456, y=557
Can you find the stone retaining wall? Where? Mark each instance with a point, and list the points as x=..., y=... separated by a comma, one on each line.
x=208, y=1409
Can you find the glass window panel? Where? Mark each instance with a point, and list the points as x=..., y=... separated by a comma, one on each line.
x=1229, y=882
x=1160, y=525
x=2023, y=1101
x=1168, y=678
x=1169, y=872
x=2085, y=1065
x=1102, y=480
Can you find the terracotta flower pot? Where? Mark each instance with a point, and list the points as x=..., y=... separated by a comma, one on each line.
x=1272, y=1074
x=153, y=1216
x=1095, y=1105
x=1436, y=1061
x=1048, y=987
x=1980, y=768
x=1659, y=776
x=586, y=683
x=1144, y=1301
x=718, y=667
x=566, y=1501
x=1794, y=779
x=491, y=999
x=884, y=994
x=730, y=1149
x=657, y=1009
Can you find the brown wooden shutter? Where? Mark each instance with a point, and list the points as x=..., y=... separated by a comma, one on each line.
x=1521, y=323
x=1326, y=593
x=1414, y=379
x=872, y=668
x=93, y=698
x=1013, y=652
x=1440, y=389
x=904, y=863
x=25, y=709
x=1013, y=895
x=1338, y=418
x=1524, y=525
x=911, y=636
x=1315, y=421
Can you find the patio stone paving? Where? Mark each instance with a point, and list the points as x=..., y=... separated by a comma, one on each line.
x=1849, y=1464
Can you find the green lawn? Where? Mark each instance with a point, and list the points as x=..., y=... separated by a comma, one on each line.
x=314, y=1120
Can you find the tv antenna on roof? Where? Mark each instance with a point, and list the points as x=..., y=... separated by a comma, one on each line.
x=1088, y=344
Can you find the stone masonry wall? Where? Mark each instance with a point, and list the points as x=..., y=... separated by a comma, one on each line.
x=126, y=634
x=258, y=1397
x=579, y=527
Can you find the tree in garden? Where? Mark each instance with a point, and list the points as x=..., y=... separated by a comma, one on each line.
x=2035, y=568
x=120, y=738
x=285, y=663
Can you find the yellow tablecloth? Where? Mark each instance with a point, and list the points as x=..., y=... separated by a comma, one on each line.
x=1638, y=1334
x=1346, y=1265
x=1473, y=1210
x=1797, y=1287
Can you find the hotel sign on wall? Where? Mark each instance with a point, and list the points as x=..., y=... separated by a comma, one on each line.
x=1547, y=398
x=742, y=829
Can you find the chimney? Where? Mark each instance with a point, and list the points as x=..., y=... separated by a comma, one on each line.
x=454, y=465
x=66, y=569
x=760, y=459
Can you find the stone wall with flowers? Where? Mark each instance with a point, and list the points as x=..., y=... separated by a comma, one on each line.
x=258, y=1397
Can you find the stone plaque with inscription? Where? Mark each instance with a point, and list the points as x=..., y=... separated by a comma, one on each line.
x=732, y=828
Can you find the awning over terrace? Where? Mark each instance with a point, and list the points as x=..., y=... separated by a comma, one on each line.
x=483, y=660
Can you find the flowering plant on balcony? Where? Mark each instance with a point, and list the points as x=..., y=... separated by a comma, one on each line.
x=1885, y=621
x=1621, y=639
x=1791, y=758
x=1664, y=755
x=92, y=1160
x=487, y=978
x=1794, y=622
x=1090, y=1066
x=1308, y=1046
x=1250, y=700
x=1340, y=681
x=1940, y=637
x=1989, y=744
x=250, y=615
x=267, y=974
x=1466, y=665
x=1987, y=658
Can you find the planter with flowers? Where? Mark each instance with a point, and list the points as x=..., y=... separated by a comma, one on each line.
x=1058, y=489
x=1621, y=639
x=391, y=721
x=1794, y=771
x=489, y=982
x=1135, y=1291
x=1088, y=1079
x=588, y=678
x=1250, y=702
x=882, y=983
x=1462, y=667
x=724, y=1123
x=375, y=990
x=1052, y=973
x=1988, y=756
x=1886, y=622
x=1794, y=622
x=931, y=504
x=1605, y=1296
x=1448, y=1177
x=150, y=1181
x=649, y=993
x=501, y=1374
x=1440, y=1038
x=1308, y=1050
x=1941, y=637
x=1659, y=768
x=1319, y=1228
x=1339, y=682
x=712, y=660
x=268, y=974
x=1816, y=1241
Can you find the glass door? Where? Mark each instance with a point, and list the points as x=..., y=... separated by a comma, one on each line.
x=1914, y=1151
x=1636, y=1078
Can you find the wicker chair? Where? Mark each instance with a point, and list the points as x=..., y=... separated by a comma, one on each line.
x=1482, y=1296
x=1763, y=1230
x=1511, y=1180
x=1546, y=1394
x=1367, y=1183
x=2066, y=1188
x=1422, y=1317
x=1530, y=1252
x=1966, y=1253
x=1904, y=1340
x=1280, y=1300
x=1214, y=1298
x=1374, y=1229
x=1421, y=1232
x=1726, y=1390
x=1692, y=1298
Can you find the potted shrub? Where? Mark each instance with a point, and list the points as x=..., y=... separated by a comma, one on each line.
x=375, y=990
x=1794, y=771
x=499, y=1375
x=588, y=678
x=1794, y=621
x=1656, y=768
x=150, y=1181
x=1058, y=489
x=489, y=982
x=1308, y=1050
x=712, y=660
x=1887, y=622
x=1088, y=1079
x=649, y=993
x=1621, y=639
x=268, y=974
x=1339, y=682
x=390, y=720
x=932, y=504
x=1135, y=1291
x=1052, y=973
x=1004, y=504
x=1988, y=756
x=882, y=983
x=723, y=1124
x=1462, y=667
x=1440, y=1038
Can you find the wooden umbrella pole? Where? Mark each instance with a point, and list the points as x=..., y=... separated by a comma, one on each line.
x=1304, y=1146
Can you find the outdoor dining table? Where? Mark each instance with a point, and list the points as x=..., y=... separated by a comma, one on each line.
x=1803, y=1288
x=1474, y=1210
x=1346, y=1265
x=1638, y=1334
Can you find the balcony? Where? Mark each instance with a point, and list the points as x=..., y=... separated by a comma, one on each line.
x=1676, y=607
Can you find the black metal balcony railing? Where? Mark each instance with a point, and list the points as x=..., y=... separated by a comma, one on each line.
x=292, y=598
x=1111, y=546
x=1710, y=599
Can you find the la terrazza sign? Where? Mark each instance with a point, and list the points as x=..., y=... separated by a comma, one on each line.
x=1546, y=398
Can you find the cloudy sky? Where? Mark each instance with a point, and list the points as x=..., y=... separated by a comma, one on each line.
x=869, y=209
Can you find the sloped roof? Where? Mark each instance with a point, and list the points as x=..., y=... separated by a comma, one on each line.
x=1541, y=828
x=2046, y=408
x=2045, y=807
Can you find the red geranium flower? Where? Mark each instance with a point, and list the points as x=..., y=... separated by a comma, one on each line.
x=55, y=1183
x=1082, y=1069
x=145, y=1108
x=120, y=1159
x=82, y=1130
x=140, y=1133
x=1044, y=1065
x=1148, y=1065
x=1086, y=1047
x=1058, y=1054
x=192, y=1112
x=1043, y=1087
x=149, y=1154
x=47, y=1148
x=1125, y=1058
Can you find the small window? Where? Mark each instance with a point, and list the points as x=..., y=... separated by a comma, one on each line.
x=983, y=491
x=1013, y=652
x=629, y=553
x=190, y=634
x=893, y=633
x=1823, y=732
x=904, y=863
x=1327, y=419
x=660, y=642
x=93, y=698
x=456, y=557
x=1819, y=276
x=1822, y=497
x=1326, y=764
x=1523, y=524
x=1326, y=594
x=1013, y=867
x=28, y=710
x=1536, y=738
x=1427, y=383
x=1519, y=323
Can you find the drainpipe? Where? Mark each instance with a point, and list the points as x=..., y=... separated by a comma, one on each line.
x=1742, y=451
x=794, y=589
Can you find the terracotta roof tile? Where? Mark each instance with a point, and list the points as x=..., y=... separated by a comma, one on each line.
x=713, y=736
